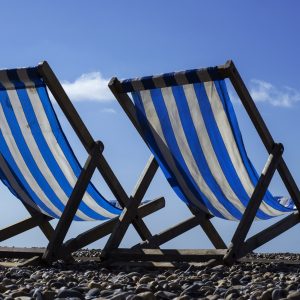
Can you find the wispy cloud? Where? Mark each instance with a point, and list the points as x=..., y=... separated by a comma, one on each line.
x=108, y=111
x=263, y=91
x=88, y=87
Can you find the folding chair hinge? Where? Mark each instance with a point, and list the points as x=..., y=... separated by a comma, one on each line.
x=99, y=145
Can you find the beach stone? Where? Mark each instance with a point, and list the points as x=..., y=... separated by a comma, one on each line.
x=120, y=296
x=235, y=280
x=48, y=295
x=246, y=278
x=232, y=291
x=66, y=293
x=92, y=293
x=218, y=268
x=93, y=284
x=145, y=279
x=106, y=293
x=146, y=296
x=266, y=295
x=212, y=297
x=294, y=295
x=165, y=295
x=37, y=294
x=279, y=294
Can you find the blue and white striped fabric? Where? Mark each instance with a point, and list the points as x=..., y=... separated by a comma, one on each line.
x=37, y=163
x=193, y=132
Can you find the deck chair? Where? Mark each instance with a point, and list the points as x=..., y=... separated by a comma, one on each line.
x=188, y=122
x=39, y=167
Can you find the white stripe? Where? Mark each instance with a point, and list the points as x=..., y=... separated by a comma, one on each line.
x=16, y=186
x=157, y=131
x=57, y=151
x=187, y=154
x=231, y=146
x=34, y=150
x=18, y=158
x=208, y=149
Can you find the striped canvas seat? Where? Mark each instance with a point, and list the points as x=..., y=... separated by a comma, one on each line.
x=36, y=161
x=193, y=132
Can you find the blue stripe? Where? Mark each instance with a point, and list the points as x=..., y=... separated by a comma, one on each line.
x=162, y=113
x=159, y=156
x=197, y=151
x=227, y=105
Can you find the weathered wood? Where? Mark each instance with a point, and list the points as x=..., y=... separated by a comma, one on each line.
x=212, y=233
x=129, y=213
x=120, y=194
x=32, y=261
x=66, y=106
x=125, y=219
x=203, y=75
x=168, y=255
x=139, y=191
x=106, y=228
x=208, y=227
x=169, y=234
x=145, y=179
x=72, y=205
x=15, y=252
x=45, y=227
x=22, y=226
x=269, y=233
x=254, y=203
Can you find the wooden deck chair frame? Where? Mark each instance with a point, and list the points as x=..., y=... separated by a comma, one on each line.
x=238, y=246
x=134, y=212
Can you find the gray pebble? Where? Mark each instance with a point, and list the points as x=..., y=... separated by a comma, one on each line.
x=66, y=293
x=279, y=294
x=165, y=295
x=294, y=295
x=147, y=296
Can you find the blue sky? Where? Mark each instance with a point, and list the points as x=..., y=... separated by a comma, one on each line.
x=88, y=42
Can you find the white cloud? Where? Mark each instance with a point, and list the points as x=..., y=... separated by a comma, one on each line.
x=88, y=87
x=108, y=110
x=263, y=91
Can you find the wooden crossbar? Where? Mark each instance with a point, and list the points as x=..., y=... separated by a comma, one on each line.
x=167, y=254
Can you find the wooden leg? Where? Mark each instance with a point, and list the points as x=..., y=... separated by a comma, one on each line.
x=129, y=213
x=121, y=195
x=72, y=206
x=45, y=227
x=254, y=203
x=208, y=228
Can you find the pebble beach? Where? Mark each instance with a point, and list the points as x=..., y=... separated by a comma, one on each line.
x=278, y=278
